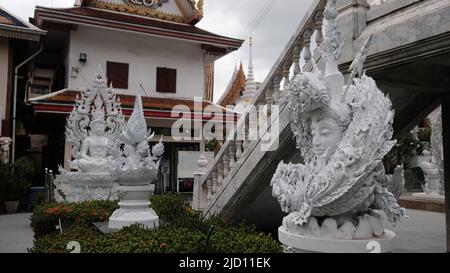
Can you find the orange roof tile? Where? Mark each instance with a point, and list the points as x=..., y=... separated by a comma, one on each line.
x=234, y=91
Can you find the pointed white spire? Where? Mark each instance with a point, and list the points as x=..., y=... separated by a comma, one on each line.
x=136, y=128
x=250, y=84
x=334, y=79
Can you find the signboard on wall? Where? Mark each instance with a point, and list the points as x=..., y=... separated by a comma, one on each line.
x=187, y=165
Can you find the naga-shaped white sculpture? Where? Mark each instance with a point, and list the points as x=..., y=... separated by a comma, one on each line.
x=343, y=133
x=135, y=167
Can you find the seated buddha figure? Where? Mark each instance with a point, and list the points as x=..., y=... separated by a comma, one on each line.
x=94, y=149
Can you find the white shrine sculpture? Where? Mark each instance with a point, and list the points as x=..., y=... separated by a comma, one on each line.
x=93, y=128
x=396, y=181
x=338, y=198
x=434, y=169
x=113, y=160
x=135, y=167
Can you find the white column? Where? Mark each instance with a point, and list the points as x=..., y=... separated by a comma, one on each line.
x=200, y=193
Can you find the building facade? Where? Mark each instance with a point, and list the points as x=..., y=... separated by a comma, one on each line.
x=17, y=38
x=148, y=47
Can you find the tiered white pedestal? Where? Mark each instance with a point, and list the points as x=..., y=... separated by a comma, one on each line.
x=134, y=208
x=304, y=244
x=79, y=187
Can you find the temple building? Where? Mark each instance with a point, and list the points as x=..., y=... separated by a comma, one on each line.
x=147, y=47
x=16, y=37
x=241, y=89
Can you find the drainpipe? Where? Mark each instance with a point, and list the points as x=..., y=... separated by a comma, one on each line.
x=16, y=74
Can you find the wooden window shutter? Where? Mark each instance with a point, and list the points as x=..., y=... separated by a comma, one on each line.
x=117, y=73
x=166, y=80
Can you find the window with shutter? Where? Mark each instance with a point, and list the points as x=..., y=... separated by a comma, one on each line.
x=117, y=73
x=166, y=80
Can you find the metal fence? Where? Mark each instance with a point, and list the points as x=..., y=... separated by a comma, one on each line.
x=49, y=186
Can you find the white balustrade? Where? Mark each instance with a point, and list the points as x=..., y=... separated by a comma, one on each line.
x=234, y=151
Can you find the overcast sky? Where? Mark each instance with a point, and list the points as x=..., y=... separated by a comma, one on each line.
x=270, y=22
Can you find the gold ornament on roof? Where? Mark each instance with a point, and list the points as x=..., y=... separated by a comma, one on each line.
x=139, y=10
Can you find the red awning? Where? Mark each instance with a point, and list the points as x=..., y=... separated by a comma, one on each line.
x=63, y=102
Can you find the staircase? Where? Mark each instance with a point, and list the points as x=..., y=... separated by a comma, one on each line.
x=235, y=185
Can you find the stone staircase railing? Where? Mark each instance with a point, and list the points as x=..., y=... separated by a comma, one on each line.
x=214, y=177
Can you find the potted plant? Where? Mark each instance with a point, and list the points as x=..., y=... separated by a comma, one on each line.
x=15, y=180
x=407, y=151
x=424, y=134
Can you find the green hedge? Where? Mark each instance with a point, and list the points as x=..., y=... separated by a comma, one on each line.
x=182, y=230
x=46, y=217
x=174, y=211
x=163, y=240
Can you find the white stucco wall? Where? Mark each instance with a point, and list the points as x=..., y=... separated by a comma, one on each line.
x=4, y=60
x=143, y=53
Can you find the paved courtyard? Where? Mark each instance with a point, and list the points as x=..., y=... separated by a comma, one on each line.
x=15, y=233
x=421, y=232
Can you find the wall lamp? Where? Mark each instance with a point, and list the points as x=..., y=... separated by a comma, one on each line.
x=83, y=58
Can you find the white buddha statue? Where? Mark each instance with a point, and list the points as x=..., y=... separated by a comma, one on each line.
x=94, y=150
x=93, y=128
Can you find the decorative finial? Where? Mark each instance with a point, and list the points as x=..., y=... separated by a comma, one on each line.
x=330, y=48
x=250, y=85
x=136, y=129
x=356, y=68
x=99, y=73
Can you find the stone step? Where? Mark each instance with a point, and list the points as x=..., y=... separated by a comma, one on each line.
x=423, y=203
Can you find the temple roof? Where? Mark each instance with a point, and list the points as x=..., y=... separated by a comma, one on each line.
x=134, y=23
x=63, y=102
x=184, y=11
x=12, y=26
x=234, y=89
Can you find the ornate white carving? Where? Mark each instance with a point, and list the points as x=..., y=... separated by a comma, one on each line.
x=107, y=152
x=396, y=181
x=148, y=3
x=135, y=167
x=134, y=163
x=343, y=140
x=5, y=142
x=93, y=127
x=79, y=187
x=434, y=170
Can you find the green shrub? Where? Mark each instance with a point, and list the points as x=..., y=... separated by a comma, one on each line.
x=15, y=179
x=424, y=134
x=57, y=242
x=172, y=210
x=242, y=239
x=169, y=207
x=406, y=148
x=163, y=240
x=46, y=217
x=182, y=231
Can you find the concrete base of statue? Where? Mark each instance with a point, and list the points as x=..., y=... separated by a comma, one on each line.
x=134, y=208
x=294, y=243
x=79, y=187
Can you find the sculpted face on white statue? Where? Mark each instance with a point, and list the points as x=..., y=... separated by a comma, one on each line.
x=326, y=134
x=343, y=132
